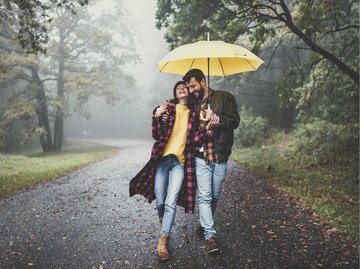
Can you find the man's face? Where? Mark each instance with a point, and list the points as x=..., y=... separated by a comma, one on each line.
x=193, y=85
x=196, y=89
x=182, y=91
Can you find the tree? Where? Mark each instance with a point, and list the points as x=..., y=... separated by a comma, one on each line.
x=311, y=21
x=85, y=57
x=302, y=81
x=29, y=19
x=18, y=90
x=89, y=57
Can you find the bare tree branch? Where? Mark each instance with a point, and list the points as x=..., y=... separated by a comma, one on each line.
x=274, y=51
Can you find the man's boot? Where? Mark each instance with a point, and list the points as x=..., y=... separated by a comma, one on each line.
x=162, y=248
x=211, y=246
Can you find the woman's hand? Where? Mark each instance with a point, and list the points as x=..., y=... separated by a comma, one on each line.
x=160, y=110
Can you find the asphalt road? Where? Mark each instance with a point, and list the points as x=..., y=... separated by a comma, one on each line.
x=87, y=220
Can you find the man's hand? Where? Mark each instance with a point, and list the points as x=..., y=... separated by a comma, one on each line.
x=209, y=114
x=161, y=110
x=214, y=121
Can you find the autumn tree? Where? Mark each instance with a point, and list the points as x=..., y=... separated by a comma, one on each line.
x=19, y=90
x=85, y=57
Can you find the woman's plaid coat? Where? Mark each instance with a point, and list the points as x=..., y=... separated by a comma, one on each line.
x=143, y=182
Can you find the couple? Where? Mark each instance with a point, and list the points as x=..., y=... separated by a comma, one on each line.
x=193, y=138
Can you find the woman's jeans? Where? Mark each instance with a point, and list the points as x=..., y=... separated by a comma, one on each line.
x=209, y=183
x=168, y=181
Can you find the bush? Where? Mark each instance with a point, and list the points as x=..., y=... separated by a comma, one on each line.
x=253, y=129
x=322, y=142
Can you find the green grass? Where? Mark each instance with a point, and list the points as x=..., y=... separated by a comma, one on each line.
x=22, y=171
x=331, y=191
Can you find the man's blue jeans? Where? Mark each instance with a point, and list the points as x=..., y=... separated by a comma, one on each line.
x=168, y=181
x=209, y=183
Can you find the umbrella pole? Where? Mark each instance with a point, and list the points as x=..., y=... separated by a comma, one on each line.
x=208, y=72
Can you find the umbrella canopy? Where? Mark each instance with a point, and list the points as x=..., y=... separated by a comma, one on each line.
x=214, y=58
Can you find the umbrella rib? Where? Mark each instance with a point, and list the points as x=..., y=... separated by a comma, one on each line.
x=221, y=67
x=192, y=63
x=250, y=64
x=164, y=66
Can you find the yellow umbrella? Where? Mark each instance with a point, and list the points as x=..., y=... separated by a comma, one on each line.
x=214, y=58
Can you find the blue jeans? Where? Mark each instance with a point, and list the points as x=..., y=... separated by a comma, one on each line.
x=209, y=183
x=168, y=181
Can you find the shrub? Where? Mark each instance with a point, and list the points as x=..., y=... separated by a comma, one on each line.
x=253, y=129
x=322, y=142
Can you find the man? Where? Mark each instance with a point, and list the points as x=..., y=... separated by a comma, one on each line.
x=211, y=159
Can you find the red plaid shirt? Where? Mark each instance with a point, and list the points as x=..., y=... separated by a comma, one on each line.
x=208, y=146
x=143, y=182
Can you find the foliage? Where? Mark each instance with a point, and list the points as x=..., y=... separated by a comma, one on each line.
x=314, y=86
x=93, y=55
x=30, y=19
x=321, y=142
x=310, y=50
x=312, y=22
x=331, y=190
x=323, y=92
x=252, y=130
x=85, y=57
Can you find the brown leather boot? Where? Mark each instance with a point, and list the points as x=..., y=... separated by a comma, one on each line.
x=162, y=249
x=211, y=245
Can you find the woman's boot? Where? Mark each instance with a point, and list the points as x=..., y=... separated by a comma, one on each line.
x=162, y=248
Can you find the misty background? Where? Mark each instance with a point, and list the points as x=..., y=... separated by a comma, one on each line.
x=133, y=118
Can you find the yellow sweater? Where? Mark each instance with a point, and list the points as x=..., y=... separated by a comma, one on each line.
x=177, y=139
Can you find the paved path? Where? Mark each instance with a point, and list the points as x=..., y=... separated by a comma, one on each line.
x=86, y=217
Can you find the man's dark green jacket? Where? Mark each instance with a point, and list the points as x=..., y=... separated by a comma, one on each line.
x=224, y=105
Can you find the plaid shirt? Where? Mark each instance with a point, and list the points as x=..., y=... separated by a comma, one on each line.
x=208, y=146
x=143, y=182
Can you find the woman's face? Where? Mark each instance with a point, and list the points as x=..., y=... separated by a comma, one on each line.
x=182, y=91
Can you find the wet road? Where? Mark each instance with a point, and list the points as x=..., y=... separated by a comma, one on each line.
x=86, y=218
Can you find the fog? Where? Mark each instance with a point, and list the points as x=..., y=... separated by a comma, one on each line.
x=131, y=119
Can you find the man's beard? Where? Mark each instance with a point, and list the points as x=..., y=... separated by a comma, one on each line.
x=198, y=95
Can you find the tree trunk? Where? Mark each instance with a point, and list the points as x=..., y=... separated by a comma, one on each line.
x=42, y=112
x=327, y=55
x=59, y=119
x=316, y=48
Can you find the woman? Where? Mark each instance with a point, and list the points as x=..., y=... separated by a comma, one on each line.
x=169, y=176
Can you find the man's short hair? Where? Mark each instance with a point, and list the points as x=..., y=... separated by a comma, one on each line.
x=195, y=73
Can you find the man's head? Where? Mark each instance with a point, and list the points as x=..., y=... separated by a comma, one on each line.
x=196, y=82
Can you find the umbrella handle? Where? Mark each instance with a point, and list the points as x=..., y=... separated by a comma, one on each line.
x=208, y=72
x=201, y=112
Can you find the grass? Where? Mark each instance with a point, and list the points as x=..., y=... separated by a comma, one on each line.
x=22, y=171
x=331, y=191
